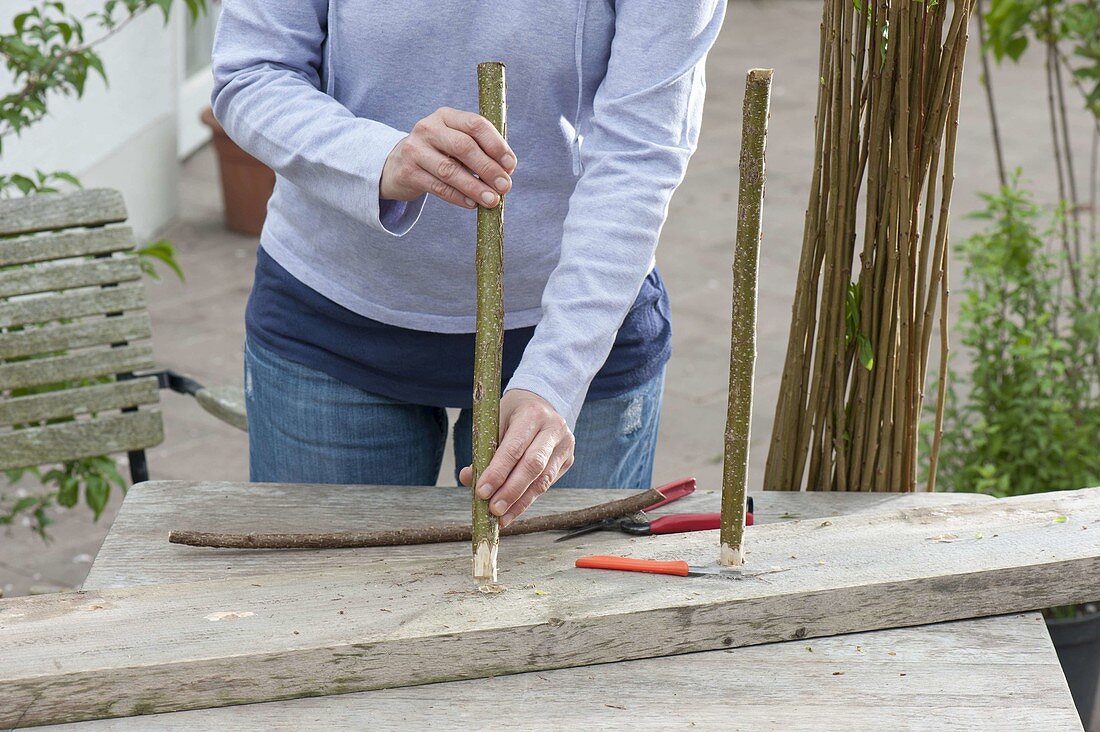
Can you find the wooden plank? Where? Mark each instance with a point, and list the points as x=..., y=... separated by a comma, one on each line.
x=61, y=245
x=76, y=655
x=992, y=674
x=83, y=400
x=81, y=334
x=135, y=552
x=68, y=275
x=48, y=308
x=81, y=365
x=50, y=211
x=954, y=673
x=102, y=435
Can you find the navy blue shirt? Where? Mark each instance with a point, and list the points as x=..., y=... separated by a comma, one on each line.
x=419, y=367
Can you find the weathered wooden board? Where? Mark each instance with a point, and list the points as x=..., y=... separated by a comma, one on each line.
x=60, y=306
x=168, y=647
x=68, y=275
x=73, y=366
x=136, y=552
x=61, y=245
x=101, y=435
x=48, y=211
x=82, y=400
x=986, y=675
x=90, y=332
x=226, y=403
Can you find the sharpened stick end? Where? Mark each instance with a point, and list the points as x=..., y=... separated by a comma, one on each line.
x=731, y=556
x=485, y=562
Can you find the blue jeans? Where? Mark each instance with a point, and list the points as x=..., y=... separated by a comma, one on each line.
x=306, y=427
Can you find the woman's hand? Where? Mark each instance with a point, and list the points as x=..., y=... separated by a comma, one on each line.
x=536, y=448
x=443, y=154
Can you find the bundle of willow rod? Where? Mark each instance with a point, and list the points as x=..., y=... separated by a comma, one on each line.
x=853, y=383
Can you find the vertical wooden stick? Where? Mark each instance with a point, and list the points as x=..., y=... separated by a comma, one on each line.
x=750, y=201
x=490, y=333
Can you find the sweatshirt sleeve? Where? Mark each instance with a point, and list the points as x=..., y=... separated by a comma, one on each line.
x=644, y=128
x=267, y=62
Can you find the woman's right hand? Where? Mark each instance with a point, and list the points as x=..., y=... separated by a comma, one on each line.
x=455, y=155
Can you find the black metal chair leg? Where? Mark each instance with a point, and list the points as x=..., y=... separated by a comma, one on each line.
x=139, y=466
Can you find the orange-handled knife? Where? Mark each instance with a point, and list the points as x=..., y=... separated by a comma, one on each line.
x=676, y=567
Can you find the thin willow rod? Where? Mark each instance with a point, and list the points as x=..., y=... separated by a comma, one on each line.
x=943, y=269
x=1071, y=262
x=1071, y=176
x=987, y=83
x=489, y=338
x=750, y=201
x=780, y=472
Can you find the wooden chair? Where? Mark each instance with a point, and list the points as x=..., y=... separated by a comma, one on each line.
x=76, y=362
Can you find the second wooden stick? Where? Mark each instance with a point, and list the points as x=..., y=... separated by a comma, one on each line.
x=750, y=202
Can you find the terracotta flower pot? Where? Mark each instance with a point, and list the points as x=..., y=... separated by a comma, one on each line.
x=246, y=182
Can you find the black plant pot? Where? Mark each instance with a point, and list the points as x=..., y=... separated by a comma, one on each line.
x=1077, y=641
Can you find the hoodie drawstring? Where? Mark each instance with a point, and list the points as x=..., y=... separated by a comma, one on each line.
x=579, y=54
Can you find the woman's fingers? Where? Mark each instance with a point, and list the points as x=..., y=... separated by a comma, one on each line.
x=560, y=461
x=455, y=155
x=466, y=475
x=428, y=183
x=483, y=132
x=513, y=446
x=452, y=173
x=527, y=469
x=466, y=150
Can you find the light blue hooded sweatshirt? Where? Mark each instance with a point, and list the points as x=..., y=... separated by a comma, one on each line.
x=604, y=101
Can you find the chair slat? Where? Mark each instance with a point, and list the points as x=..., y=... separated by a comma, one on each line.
x=66, y=276
x=129, y=296
x=52, y=211
x=44, y=247
x=98, y=332
x=86, y=365
x=102, y=435
x=85, y=400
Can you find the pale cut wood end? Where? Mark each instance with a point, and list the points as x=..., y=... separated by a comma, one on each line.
x=485, y=562
x=731, y=556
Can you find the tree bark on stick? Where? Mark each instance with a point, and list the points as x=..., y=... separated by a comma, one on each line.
x=750, y=202
x=418, y=534
x=490, y=333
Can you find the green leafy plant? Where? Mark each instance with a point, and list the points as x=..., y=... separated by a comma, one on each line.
x=51, y=52
x=1032, y=412
x=1014, y=24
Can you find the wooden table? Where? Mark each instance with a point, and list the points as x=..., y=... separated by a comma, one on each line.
x=987, y=674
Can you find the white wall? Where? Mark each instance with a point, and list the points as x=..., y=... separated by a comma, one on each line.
x=122, y=136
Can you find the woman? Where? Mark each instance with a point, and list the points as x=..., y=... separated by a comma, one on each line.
x=360, y=324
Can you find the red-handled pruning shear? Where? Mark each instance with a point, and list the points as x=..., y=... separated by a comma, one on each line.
x=673, y=491
x=638, y=525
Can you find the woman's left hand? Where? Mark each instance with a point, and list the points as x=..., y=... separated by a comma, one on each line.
x=536, y=448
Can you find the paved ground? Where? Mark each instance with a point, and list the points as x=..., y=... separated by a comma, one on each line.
x=199, y=328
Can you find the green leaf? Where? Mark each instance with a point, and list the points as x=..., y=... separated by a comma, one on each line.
x=96, y=493
x=163, y=251
x=866, y=353
x=1015, y=47
x=69, y=492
